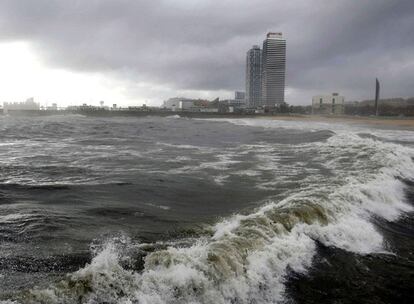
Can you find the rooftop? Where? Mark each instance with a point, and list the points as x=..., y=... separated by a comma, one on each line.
x=274, y=35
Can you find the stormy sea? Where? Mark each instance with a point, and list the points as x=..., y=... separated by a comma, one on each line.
x=158, y=210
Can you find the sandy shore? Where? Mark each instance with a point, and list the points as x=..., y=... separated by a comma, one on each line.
x=384, y=121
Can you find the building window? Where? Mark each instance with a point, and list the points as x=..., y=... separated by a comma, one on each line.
x=333, y=100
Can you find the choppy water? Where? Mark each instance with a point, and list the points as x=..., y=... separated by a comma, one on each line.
x=175, y=210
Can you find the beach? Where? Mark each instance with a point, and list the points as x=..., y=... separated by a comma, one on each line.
x=366, y=120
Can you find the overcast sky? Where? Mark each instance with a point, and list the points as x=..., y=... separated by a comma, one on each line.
x=132, y=51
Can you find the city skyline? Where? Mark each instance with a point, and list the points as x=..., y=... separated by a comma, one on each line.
x=87, y=52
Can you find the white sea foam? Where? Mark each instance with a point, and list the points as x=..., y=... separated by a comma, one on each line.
x=220, y=179
x=173, y=116
x=11, y=217
x=189, y=147
x=250, y=173
x=179, y=159
x=350, y=233
x=158, y=206
x=223, y=163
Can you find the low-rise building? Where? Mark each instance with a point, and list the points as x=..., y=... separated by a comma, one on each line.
x=28, y=105
x=186, y=105
x=189, y=105
x=232, y=105
x=328, y=104
x=173, y=103
x=53, y=107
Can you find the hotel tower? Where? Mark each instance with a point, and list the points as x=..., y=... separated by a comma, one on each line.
x=254, y=77
x=273, y=70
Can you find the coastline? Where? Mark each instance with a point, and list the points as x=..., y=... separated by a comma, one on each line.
x=406, y=122
x=379, y=121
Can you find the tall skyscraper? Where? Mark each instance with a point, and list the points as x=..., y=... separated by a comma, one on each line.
x=254, y=76
x=273, y=70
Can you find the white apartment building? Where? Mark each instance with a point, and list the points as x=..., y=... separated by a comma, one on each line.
x=328, y=104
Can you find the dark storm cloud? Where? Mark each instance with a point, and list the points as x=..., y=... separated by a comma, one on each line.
x=201, y=45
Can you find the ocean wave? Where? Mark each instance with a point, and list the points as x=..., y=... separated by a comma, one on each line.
x=247, y=258
x=173, y=116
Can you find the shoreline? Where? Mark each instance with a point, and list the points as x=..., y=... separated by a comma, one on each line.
x=370, y=120
x=407, y=122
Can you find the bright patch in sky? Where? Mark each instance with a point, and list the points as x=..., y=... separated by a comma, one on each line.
x=23, y=75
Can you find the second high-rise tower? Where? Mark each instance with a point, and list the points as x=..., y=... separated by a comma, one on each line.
x=273, y=70
x=254, y=77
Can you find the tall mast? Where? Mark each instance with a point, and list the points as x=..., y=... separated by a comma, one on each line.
x=377, y=93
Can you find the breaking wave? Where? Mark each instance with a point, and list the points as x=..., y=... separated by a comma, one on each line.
x=247, y=258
